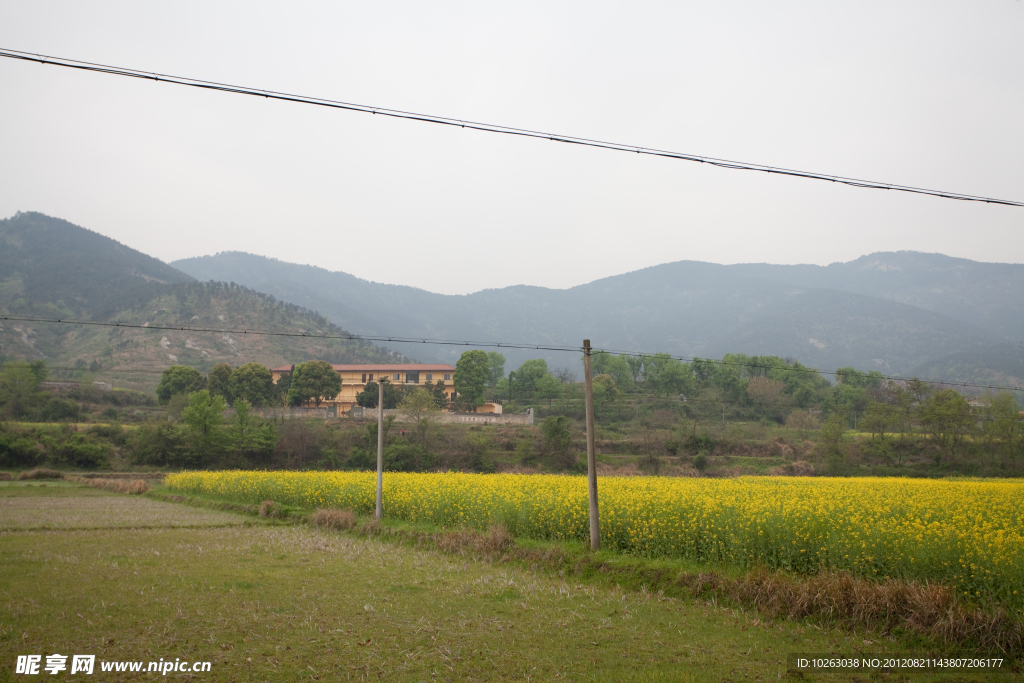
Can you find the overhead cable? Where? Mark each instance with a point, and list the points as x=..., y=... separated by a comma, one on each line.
x=489, y=127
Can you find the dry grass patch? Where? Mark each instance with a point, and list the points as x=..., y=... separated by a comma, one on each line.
x=6, y=476
x=131, y=487
x=270, y=509
x=926, y=608
x=333, y=519
x=40, y=473
x=496, y=541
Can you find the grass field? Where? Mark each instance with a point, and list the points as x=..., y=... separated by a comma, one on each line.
x=968, y=534
x=267, y=601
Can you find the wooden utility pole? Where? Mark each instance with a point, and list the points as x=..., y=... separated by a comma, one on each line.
x=595, y=522
x=380, y=449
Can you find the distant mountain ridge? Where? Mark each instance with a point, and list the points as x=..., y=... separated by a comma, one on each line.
x=52, y=268
x=74, y=270
x=904, y=313
x=825, y=316
x=989, y=295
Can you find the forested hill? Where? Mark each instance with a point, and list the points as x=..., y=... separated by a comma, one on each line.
x=810, y=313
x=51, y=268
x=989, y=295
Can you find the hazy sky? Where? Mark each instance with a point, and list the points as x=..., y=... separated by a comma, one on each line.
x=920, y=93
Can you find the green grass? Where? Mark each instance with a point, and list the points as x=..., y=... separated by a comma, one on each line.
x=280, y=602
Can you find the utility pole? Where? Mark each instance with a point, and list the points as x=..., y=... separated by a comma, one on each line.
x=595, y=523
x=380, y=450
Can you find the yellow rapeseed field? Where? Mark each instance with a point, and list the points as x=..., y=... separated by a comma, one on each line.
x=965, y=533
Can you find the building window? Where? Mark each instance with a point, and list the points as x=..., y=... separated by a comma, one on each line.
x=447, y=376
x=371, y=376
x=412, y=378
x=430, y=377
x=397, y=377
x=364, y=377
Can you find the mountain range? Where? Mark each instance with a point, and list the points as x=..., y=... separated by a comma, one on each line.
x=904, y=313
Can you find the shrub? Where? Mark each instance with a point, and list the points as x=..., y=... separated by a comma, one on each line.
x=19, y=452
x=483, y=463
x=60, y=410
x=702, y=442
x=362, y=459
x=80, y=450
x=161, y=444
x=406, y=457
x=524, y=452
x=6, y=476
x=333, y=519
x=41, y=473
x=114, y=433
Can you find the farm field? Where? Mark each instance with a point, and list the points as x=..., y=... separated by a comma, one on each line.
x=968, y=534
x=264, y=601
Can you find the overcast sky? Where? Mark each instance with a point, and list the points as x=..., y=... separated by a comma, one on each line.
x=919, y=93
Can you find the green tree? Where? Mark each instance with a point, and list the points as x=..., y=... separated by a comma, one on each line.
x=616, y=367
x=161, y=444
x=831, y=444
x=604, y=389
x=279, y=391
x=419, y=402
x=529, y=373
x=1007, y=424
x=948, y=418
x=440, y=391
x=636, y=366
x=254, y=383
x=250, y=436
x=219, y=380
x=495, y=368
x=470, y=378
x=880, y=419
x=179, y=379
x=204, y=413
x=549, y=387
x=368, y=397
x=203, y=419
x=19, y=389
x=314, y=381
x=665, y=375
x=557, y=434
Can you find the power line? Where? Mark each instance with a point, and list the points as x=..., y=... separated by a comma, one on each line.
x=479, y=344
x=488, y=127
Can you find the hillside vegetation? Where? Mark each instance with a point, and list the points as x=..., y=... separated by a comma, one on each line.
x=51, y=268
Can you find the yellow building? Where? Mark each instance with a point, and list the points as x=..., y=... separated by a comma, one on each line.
x=355, y=377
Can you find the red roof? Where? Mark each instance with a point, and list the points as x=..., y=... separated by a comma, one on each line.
x=423, y=367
